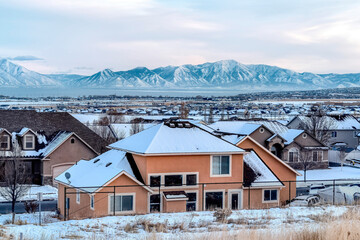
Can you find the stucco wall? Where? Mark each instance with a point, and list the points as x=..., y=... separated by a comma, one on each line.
x=261, y=137
x=278, y=168
x=101, y=200
x=67, y=154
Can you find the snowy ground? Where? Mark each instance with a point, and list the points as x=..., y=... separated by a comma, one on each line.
x=49, y=193
x=164, y=225
x=339, y=173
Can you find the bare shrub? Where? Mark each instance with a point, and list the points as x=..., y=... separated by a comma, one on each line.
x=221, y=215
x=30, y=206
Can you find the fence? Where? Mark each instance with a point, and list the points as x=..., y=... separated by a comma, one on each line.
x=96, y=201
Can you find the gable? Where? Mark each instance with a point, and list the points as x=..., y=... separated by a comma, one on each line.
x=282, y=170
x=68, y=140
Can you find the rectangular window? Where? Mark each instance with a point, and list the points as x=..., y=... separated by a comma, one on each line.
x=221, y=165
x=4, y=142
x=173, y=180
x=155, y=181
x=29, y=142
x=123, y=203
x=191, y=179
x=270, y=195
x=293, y=156
x=213, y=200
x=334, y=134
x=315, y=156
x=320, y=156
x=191, y=202
x=77, y=196
x=92, y=201
x=155, y=203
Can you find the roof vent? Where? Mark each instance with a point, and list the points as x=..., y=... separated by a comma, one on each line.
x=96, y=160
x=108, y=164
x=172, y=125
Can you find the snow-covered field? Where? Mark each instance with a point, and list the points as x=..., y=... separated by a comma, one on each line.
x=166, y=225
x=49, y=193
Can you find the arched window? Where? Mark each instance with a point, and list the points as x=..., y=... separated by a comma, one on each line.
x=293, y=155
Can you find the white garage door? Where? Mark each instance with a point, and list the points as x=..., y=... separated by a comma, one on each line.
x=60, y=169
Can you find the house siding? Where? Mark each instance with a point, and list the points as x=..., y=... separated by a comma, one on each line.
x=278, y=168
x=66, y=155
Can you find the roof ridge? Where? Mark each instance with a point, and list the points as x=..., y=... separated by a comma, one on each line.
x=152, y=140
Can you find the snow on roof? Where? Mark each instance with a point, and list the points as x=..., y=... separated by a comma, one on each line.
x=23, y=131
x=97, y=172
x=247, y=127
x=163, y=139
x=290, y=135
x=264, y=176
x=236, y=127
x=234, y=139
x=58, y=139
x=336, y=123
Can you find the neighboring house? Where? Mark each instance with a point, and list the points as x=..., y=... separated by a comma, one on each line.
x=174, y=166
x=45, y=143
x=295, y=147
x=340, y=129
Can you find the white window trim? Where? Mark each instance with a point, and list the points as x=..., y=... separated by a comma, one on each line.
x=161, y=201
x=78, y=196
x=318, y=153
x=240, y=192
x=33, y=141
x=162, y=180
x=8, y=142
x=92, y=197
x=292, y=150
x=220, y=175
x=197, y=199
x=122, y=194
x=214, y=190
x=271, y=201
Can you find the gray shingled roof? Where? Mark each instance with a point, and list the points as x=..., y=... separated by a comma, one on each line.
x=50, y=123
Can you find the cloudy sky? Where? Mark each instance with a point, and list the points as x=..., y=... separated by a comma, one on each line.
x=85, y=36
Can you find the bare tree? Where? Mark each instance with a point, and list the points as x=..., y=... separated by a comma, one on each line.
x=136, y=127
x=104, y=132
x=15, y=178
x=318, y=125
x=306, y=161
x=211, y=115
x=184, y=111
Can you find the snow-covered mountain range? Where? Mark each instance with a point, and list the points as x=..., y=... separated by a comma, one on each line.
x=222, y=74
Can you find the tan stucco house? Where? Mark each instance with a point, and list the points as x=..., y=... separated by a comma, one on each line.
x=175, y=166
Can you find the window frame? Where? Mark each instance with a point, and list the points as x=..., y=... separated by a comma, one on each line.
x=8, y=142
x=160, y=202
x=215, y=190
x=162, y=180
x=92, y=202
x=25, y=141
x=196, y=202
x=293, y=150
x=319, y=156
x=220, y=175
x=133, y=195
x=270, y=201
x=77, y=196
x=333, y=134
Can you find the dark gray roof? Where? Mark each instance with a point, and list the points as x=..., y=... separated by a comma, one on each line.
x=50, y=123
